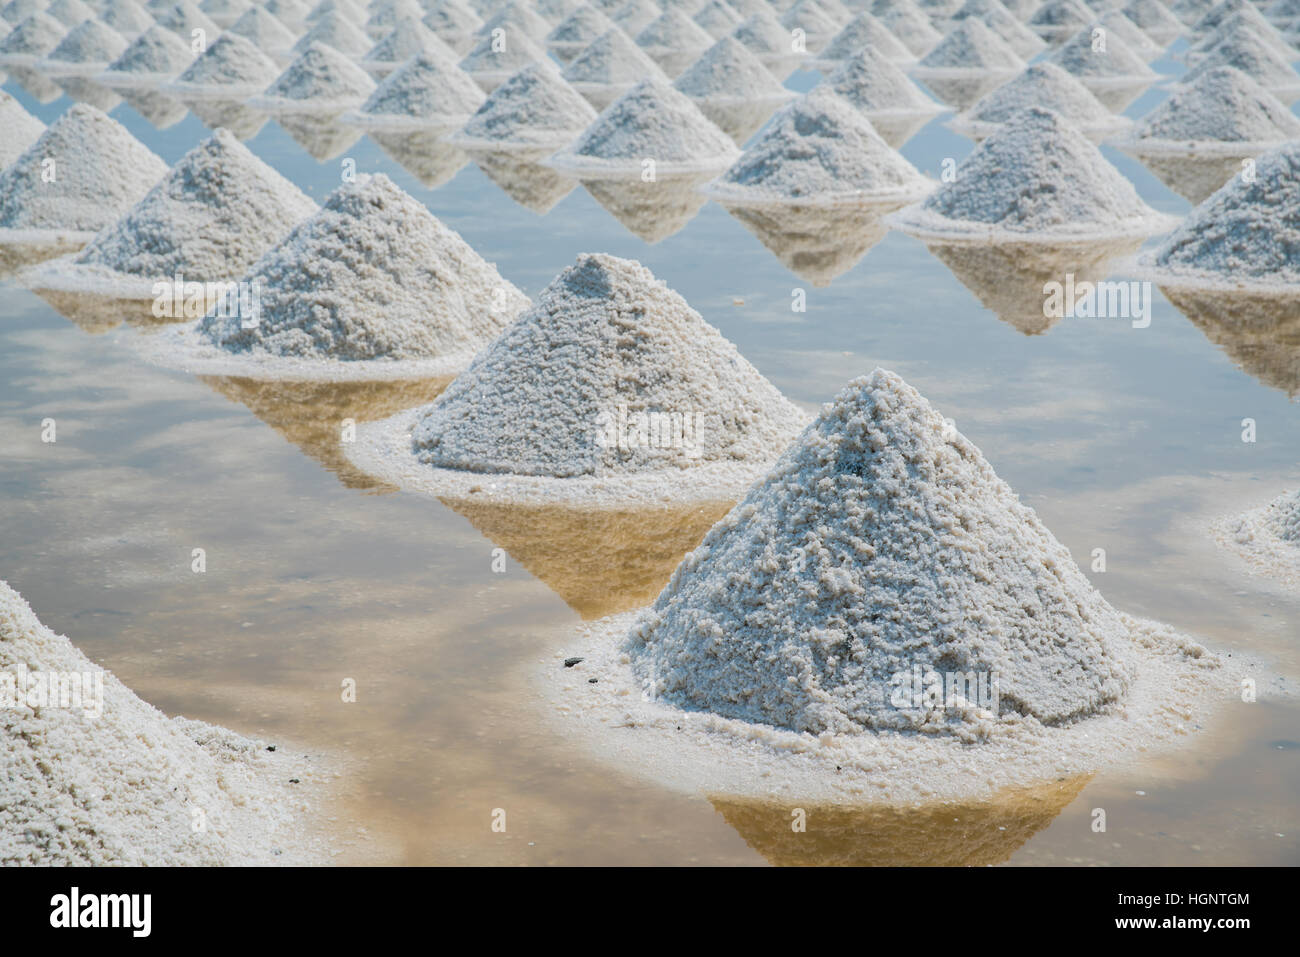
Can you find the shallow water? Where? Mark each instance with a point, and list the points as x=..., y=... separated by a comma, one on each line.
x=1122, y=438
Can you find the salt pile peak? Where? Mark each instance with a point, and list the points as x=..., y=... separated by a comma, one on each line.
x=881, y=541
x=1056, y=20
x=491, y=61
x=635, y=15
x=717, y=18
x=727, y=72
x=372, y=286
x=321, y=80
x=535, y=109
x=21, y=129
x=819, y=150
x=427, y=91
x=408, y=38
x=673, y=32
x=1247, y=50
x=69, y=12
x=1266, y=538
x=336, y=31
x=654, y=122
x=862, y=32
x=970, y=47
x=184, y=18
x=231, y=68
x=578, y=29
x=515, y=19
x=1251, y=20
x=265, y=31
x=554, y=405
x=1037, y=178
x=612, y=62
x=101, y=171
x=1243, y=237
x=879, y=88
x=763, y=36
x=126, y=17
x=1222, y=111
x=30, y=40
x=454, y=22
x=1047, y=85
x=1155, y=20
x=1116, y=62
x=207, y=220
x=912, y=27
x=88, y=48
x=154, y=57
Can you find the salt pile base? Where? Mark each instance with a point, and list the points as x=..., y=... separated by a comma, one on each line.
x=795, y=652
x=1267, y=539
x=610, y=392
x=116, y=782
x=535, y=109
x=208, y=220
x=732, y=88
x=372, y=287
x=320, y=81
x=1037, y=178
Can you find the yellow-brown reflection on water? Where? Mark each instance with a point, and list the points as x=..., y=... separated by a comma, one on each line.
x=1259, y=333
x=1192, y=177
x=97, y=315
x=323, y=137
x=965, y=834
x=655, y=210
x=816, y=244
x=312, y=415
x=603, y=562
x=523, y=178
x=424, y=155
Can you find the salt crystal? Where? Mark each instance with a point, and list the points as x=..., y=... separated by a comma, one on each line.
x=321, y=80
x=535, y=109
x=154, y=57
x=231, y=68
x=427, y=91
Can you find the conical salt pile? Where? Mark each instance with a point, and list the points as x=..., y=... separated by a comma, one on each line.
x=1248, y=51
x=208, y=220
x=265, y=31
x=225, y=12
x=763, y=36
x=455, y=23
x=1284, y=517
x=231, y=68
x=1057, y=20
x=1114, y=73
x=30, y=40
x=372, y=286
x=100, y=171
x=1035, y=178
x=634, y=16
x=865, y=31
x=995, y=16
x=1223, y=111
x=717, y=18
x=184, y=18
x=126, y=17
x=408, y=38
x=111, y=780
x=652, y=121
x=335, y=30
x=970, y=47
x=515, y=19
x=493, y=59
x=881, y=541
x=577, y=30
x=321, y=80
x=87, y=49
x=818, y=26
x=69, y=12
x=673, y=41
x=610, y=66
x=1046, y=85
x=533, y=110
x=882, y=92
x=21, y=129
x=16, y=11
x=1246, y=18
x=1244, y=236
x=1155, y=20
x=819, y=150
x=428, y=91
x=563, y=401
x=154, y=57
x=1267, y=538
x=732, y=88
x=385, y=15
x=905, y=21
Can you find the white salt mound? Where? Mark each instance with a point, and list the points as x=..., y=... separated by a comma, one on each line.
x=1250, y=53
x=1155, y=20
x=208, y=220
x=265, y=31
x=1057, y=19
x=121, y=789
x=516, y=20
x=335, y=30
x=126, y=17
x=427, y=91
x=1047, y=85
x=321, y=80
x=727, y=72
x=489, y=65
x=1245, y=236
x=879, y=88
x=370, y=287
x=30, y=40
x=1039, y=178
x=453, y=21
x=528, y=419
x=155, y=56
x=578, y=29
x=717, y=18
x=763, y=36
x=611, y=62
x=634, y=16
x=1267, y=539
x=651, y=121
x=408, y=38
x=184, y=18
x=673, y=33
x=1117, y=64
x=230, y=68
x=21, y=129
x=101, y=171
x=819, y=150
x=912, y=27
x=69, y=12
x=865, y=31
x=534, y=109
x=970, y=47
x=1223, y=111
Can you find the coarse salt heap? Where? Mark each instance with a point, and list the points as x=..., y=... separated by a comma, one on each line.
x=1046, y=85
x=427, y=91
x=1247, y=50
x=728, y=73
x=970, y=47
x=88, y=48
x=1284, y=516
x=819, y=150
x=879, y=88
x=577, y=30
x=906, y=22
x=489, y=64
x=320, y=80
x=265, y=31
x=230, y=68
x=371, y=276
x=881, y=541
x=651, y=121
x=101, y=171
x=1035, y=178
x=184, y=18
x=408, y=38
x=534, y=109
x=337, y=31
x=209, y=219
x=21, y=129
x=120, y=789
x=610, y=65
x=865, y=31
x=126, y=17
x=30, y=40
x=154, y=57
x=1246, y=235
x=605, y=338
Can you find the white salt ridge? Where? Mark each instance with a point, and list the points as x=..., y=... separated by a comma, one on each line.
x=231, y=68
x=578, y=29
x=1223, y=112
x=21, y=129
x=1246, y=50
x=880, y=89
x=354, y=13
x=819, y=151
x=763, y=36
x=635, y=15
x=611, y=63
x=371, y=287
x=881, y=542
x=969, y=48
x=70, y=12
x=453, y=21
x=321, y=80
x=1037, y=178
x=1218, y=14
x=208, y=220
x=335, y=30
x=717, y=18
x=101, y=172
x=817, y=25
x=154, y=57
x=86, y=50
x=535, y=109
x=408, y=38
x=516, y=20
x=1267, y=539
x=292, y=13
x=673, y=33
x=16, y=11
x=1057, y=19
x=184, y=18
x=428, y=91
x=225, y=12
x=864, y=31
x=1118, y=64
x=1244, y=237
x=30, y=40
x=121, y=789
x=1154, y=19
x=524, y=422
x=997, y=18
x=652, y=121
x=491, y=66
x=1116, y=24
x=1046, y=85
x=387, y=14
x=126, y=17
x=912, y=27
x=1245, y=18
x=727, y=73
x=265, y=31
